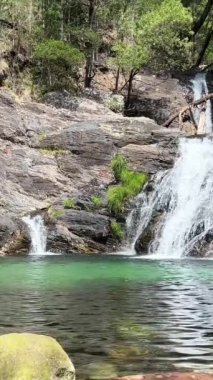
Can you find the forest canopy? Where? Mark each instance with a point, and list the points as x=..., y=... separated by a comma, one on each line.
x=57, y=43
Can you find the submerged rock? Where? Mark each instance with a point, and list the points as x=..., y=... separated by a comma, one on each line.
x=33, y=357
x=170, y=375
x=101, y=371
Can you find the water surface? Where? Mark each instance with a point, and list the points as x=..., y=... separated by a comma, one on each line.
x=138, y=315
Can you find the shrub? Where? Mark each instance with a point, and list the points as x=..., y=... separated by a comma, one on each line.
x=118, y=165
x=117, y=231
x=58, y=66
x=114, y=105
x=96, y=201
x=69, y=203
x=58, y=52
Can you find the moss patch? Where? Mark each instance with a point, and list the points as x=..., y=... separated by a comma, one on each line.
x=31, y=356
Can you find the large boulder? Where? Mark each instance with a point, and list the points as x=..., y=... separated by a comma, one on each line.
x=33, y=357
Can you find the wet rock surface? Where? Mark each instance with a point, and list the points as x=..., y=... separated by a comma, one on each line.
x=50, y=154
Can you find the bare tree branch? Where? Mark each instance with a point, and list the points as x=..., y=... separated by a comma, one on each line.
x=187, y=108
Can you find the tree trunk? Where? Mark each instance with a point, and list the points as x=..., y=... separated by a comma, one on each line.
x=199, y=23
x=129, y=93
x=117, y=80
x=62, y=21
x=92, y=12
x=89, y=71
x=204, y=48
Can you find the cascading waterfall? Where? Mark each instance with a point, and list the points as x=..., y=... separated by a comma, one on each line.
x=200, y=88
x=182, y=198
x=38, y=234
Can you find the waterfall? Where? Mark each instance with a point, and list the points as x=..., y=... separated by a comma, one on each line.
x=181, y=202
x=38, y=234
x=200, y=88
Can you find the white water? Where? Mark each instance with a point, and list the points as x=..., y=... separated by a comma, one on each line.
x=38, y=235
x=183, y=195
x=199, y=87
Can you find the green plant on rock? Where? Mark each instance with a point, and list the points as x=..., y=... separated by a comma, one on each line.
x=116, y=197
x=114, y=105
x=69, y=203
x=96, y=201
x=55, y=213
x=117, y=231
x=118, y=165
x=51, y=151
x=132, y=183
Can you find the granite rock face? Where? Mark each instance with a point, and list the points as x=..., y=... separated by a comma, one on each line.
x=50, y=154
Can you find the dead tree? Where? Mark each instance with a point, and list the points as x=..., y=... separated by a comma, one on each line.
x=188, y=109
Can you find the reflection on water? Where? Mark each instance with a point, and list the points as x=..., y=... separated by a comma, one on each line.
x=138, y=315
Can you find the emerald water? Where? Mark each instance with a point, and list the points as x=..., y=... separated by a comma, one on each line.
x=139, y=315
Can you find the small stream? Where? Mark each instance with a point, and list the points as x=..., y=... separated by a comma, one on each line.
x=138, y=315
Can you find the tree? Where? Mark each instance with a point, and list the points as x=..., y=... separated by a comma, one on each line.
x=166, y=32
x=131, y=58
x=160, y=39
x=59, y=62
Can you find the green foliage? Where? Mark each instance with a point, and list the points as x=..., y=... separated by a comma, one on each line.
x=131, y=56
x=117, y=231
x=131, y=185
x=114, y=105
x=69, y=203
x=96, y=201
x=116, y=197
x=86, y=39
x=59, y=63
x=58, y=52
x=133, y=181
x=166, y=32
x=55, y=213
x=118, y=165
x=50, y=40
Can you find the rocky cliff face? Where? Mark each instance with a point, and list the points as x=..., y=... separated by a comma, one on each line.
x=49, y=154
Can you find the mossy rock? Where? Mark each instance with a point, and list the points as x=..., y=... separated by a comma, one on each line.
x=33, y=357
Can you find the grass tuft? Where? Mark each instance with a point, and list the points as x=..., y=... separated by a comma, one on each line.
x=132, y=184
x=96, y=201
x=117, y=231
x=69, y=203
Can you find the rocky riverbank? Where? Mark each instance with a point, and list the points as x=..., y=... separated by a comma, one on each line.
x=49, y=155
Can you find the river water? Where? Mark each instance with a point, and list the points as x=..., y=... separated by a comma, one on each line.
x=138, y=315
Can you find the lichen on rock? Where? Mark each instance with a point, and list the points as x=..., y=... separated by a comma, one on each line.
x=33, y=357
